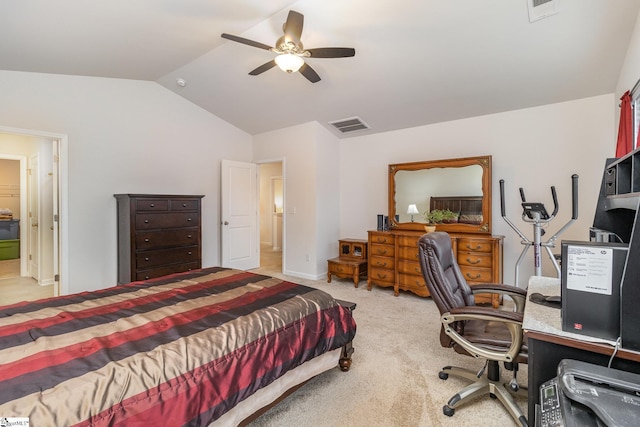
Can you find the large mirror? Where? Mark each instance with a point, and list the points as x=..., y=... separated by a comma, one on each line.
x=462, y=186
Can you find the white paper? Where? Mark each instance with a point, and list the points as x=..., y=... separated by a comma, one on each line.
x=589, y=269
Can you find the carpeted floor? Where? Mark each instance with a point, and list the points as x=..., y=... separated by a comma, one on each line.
x=393, y=380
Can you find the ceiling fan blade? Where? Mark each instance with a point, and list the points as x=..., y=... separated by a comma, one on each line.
x=264, y=67
x=293, y=27
x=309, y=73
x=245, y=41
x=332, y=52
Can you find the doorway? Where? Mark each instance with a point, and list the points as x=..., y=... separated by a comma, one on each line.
x=271, y=184
x=39, y=189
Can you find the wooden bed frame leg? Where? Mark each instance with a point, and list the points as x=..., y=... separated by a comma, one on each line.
x=345, y=357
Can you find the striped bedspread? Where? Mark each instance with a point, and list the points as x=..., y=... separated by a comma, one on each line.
x=173, y=351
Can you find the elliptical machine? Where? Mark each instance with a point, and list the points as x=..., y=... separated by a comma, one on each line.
x=536, y=214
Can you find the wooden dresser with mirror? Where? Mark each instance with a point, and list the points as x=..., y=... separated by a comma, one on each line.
x=461, y=185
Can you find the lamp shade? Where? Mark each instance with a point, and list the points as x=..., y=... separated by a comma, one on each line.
x=412, y=210
x=289, y=62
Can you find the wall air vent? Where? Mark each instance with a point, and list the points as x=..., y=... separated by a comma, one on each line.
x=351, y=124
x=539, y=9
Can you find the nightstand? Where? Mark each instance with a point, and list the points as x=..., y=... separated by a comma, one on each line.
x=352, y=262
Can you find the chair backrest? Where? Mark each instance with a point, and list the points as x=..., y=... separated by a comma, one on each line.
x=447, y=286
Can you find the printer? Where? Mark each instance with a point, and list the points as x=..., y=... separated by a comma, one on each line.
x=584, y=394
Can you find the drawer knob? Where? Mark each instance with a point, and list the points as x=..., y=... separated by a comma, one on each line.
x=477, y=276
x=146, y=240
x=184, y=205
x=188, y=236
x=146, y=221
x=382, y=251
x=188, y=219
x=471, y=261
x=146, y=277
x=189, y=253
x=382, y=264
x=475, y=248
x=382, y=276
x=146, y=258
x=153, y=205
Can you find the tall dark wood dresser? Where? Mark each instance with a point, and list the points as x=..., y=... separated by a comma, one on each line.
x=158, y=235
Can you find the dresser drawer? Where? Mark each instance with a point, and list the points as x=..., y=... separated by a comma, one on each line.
x=476, y=274
x=167, y=238
x=159, y=257
x=147, y=205
x=382, y=238
x=164, y=270
x=475, y=259
x=411, y=241
x=411, y=281
x=409, y=267
x=381, y=275
x=381, y=262
x=382, y=250
x=149, y=221
x=408, y=252
x=474, y=245
x=185, y=205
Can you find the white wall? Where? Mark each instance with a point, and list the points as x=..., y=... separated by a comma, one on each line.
x=630, y=72
x=533, y=148
x=311, y=204
x=124, y=136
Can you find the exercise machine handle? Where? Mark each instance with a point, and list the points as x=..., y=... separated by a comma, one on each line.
x=555, y=200
x=502, y=197
x=574, y=196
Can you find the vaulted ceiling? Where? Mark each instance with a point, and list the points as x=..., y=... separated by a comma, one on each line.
x=416, y=63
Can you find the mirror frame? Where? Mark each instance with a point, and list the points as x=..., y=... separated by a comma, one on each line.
x=483, y=161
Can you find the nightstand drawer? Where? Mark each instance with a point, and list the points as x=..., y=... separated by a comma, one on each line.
x=382, y=275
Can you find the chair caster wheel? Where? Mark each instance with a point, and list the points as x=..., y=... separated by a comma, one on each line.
x=448, y=410
x=443, y=375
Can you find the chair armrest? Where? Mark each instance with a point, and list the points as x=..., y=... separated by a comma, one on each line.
x=518, y=295
x=511, y=320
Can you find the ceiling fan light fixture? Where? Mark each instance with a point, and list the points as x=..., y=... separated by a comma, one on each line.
x=289, y=62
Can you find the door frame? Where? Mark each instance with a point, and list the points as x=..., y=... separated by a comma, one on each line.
x=60, y=286
x=282, y=161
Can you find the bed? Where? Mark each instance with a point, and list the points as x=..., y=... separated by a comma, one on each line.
x=189, y=349
x=467, y=208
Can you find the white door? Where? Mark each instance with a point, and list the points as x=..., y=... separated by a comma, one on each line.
x=56, y=218
x=239, y=215
x=34, y=217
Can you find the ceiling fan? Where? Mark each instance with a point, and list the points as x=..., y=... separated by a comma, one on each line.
x=290, y=51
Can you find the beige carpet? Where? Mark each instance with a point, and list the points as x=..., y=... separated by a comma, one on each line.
x=393, y=380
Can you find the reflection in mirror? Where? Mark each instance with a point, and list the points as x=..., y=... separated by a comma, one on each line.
x=462, y=185
x=418, y=187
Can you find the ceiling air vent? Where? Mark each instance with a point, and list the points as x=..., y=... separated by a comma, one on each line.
x=539, y=9
x=351, y=124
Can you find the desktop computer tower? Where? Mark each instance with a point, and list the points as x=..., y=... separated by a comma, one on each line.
x=591, y=287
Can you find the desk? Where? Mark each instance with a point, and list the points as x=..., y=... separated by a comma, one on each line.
x=549, y=344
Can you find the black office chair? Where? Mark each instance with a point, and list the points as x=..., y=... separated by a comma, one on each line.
x=482, y=332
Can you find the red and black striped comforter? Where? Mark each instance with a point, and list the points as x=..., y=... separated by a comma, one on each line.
x=177, y=350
